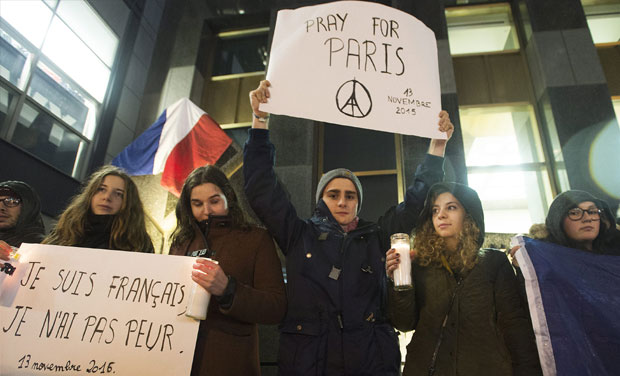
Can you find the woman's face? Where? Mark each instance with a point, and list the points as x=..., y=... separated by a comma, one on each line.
x=448, y=218
x=208, y=199
x=109, y=196
x=582, y=224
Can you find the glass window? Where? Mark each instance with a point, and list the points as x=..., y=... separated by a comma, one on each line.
x=241, y=52
x=30, y=18
x=49, y=90
x=603, y=18
x=6, y=98
x=506, y=166
x=13, y=58
x=74, y=57
x=481, y=29
x=59, y=55
x=41, y=135
x=87, y=24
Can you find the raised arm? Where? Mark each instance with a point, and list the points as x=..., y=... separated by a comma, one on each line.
x=264, y=192
x=403, y=217
x=258, y=96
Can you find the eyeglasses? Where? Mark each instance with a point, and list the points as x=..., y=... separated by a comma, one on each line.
x=576, y=214
x=11, y=202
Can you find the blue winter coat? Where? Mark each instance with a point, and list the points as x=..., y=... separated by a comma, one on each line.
x=336, y=321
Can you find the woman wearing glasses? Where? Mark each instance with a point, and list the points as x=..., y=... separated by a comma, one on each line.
x=576, y=219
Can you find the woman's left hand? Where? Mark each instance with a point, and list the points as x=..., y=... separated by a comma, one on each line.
x=210, y=276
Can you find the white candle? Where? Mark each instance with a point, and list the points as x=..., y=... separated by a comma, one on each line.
x=198, y=300
x=402, y=275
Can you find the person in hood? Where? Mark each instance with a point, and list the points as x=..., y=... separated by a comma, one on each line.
x=106, y=214
x=246, y=283
x=465, y=305
x=579, y=220
x=336, y=322
x=20, y=216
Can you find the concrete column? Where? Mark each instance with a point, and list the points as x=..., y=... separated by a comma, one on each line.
x=432, y=14
x=572, y=96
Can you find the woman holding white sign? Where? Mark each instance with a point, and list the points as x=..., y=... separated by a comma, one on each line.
x=238, y=265
x=106, y=214
x=464, y=306
x=336, y=322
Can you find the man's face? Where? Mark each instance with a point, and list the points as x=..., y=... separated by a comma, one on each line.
x=10, y=209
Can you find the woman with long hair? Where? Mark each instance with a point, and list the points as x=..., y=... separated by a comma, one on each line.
x=246, y=281
x=106, y=214
x=464, y=305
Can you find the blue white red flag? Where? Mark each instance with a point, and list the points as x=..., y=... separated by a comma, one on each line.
x=183, y=138
x=574, y=302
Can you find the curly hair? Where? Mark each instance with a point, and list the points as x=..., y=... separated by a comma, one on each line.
x=430, y=246
x=186, y=222
x=128, y=226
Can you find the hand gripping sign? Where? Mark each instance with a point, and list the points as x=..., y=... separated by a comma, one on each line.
x=355, y=63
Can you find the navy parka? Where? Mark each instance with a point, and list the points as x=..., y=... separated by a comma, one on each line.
x=336, y=322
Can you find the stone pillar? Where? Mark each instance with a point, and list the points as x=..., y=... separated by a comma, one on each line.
x=432, y=14
x=572, y=96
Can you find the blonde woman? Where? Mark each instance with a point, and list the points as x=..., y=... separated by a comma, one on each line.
x=465, y=305
x=106, y=214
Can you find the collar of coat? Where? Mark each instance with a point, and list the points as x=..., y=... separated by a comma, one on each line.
x=323, y=218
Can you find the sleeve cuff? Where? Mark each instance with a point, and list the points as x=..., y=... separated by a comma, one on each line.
x=433, y=161
x=258, y=135
x=226, y=299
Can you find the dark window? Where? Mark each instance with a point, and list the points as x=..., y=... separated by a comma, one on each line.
x=240, y=54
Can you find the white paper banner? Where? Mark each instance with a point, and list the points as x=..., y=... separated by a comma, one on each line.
x=356, y=63
x=75, y=311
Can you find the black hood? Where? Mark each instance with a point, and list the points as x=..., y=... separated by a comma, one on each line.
x=568, y=200
x=466, y=196
x=29, y=227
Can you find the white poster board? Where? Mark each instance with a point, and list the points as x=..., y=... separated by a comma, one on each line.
x=75, y=311
x=356, y=63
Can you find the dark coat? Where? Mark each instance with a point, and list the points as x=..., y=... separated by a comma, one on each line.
x=487, y=330
x=336, y=322
x=227, y=342
x=29, y=227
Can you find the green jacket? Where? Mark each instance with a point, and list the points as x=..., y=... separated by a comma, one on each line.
x=487, y=331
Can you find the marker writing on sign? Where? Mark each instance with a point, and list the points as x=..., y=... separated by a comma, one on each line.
x=330, y=23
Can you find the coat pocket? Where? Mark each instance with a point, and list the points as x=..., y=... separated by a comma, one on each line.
x=302, y=349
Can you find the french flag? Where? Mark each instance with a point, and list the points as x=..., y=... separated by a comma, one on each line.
x=183, y=138
x=574, y=300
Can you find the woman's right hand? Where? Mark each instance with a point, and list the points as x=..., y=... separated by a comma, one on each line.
x=5, y=251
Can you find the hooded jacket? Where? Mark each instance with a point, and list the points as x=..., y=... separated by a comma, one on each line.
x=29, y=227
x=227, y=342
x=473, y=324
x=608, y=239
x=336, y=322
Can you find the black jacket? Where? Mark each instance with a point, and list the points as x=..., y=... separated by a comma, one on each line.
x=336, y=322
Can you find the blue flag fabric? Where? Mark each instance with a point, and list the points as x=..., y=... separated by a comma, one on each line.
x=574, y=302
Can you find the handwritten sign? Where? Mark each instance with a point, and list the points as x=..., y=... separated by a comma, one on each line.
x=356, y=63
x=75, y=311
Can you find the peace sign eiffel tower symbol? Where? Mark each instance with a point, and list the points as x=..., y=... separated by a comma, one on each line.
x=352, y=106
